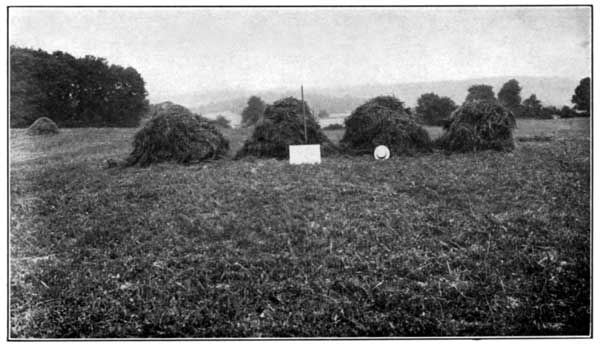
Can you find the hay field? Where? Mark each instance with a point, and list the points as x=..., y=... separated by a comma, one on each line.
x=433, y=245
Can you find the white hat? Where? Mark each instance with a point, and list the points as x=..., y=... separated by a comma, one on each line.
x=381, y=153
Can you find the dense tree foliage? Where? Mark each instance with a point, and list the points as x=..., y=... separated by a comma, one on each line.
x=567, y=112
x=532, y=107
x=480, y=92
x=433, y=109
x=73, y=92
x=253, y=112
x=510, y=95
x=549, y=111
x=581, y=98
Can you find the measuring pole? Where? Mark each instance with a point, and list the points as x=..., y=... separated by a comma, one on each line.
x=303, y=114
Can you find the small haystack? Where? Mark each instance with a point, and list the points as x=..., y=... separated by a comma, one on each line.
x=383, y=120
x=176, y=134
x=283, y=125
x=479, y=125
x=43, y=126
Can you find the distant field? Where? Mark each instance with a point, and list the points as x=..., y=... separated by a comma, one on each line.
x=435, y=245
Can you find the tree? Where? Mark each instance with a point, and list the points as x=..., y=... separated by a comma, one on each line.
x=26, y=96
x=532, y=107
x=581, y=98
x=480, y=92
x=433, y=109
x=253, y=111
x=323, y=114
x=548, y=112
x=222, y=121
x=510, y=95
x=73, y=92
x=567, y=112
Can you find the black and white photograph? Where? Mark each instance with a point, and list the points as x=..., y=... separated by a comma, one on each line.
x=282, y=172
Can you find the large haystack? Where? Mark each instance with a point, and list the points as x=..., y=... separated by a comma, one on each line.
x=176, y=134
x=384, y=121
x=43, y=126
x=283, y=125
x=479, y=125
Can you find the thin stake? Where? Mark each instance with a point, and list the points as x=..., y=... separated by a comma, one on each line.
x=303, y=115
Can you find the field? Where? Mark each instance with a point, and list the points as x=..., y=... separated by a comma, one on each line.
x=434, y=245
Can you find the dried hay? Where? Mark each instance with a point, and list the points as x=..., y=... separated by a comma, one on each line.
x=383, y=120
x=176, y=134
x=479, y=125
x=283, y=125
x=43, y=126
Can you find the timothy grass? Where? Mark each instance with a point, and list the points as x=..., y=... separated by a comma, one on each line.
x=465, y=244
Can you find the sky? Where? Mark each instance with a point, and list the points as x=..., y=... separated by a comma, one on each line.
x=187, y=50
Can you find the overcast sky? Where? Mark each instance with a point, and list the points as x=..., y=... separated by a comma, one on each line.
x=195, y=49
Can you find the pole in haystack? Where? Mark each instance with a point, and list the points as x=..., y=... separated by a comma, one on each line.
x=303, y=114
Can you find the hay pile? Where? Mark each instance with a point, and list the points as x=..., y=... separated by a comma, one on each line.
x=176, y=134
x=479, y=125
x=43, y=126
x=283, y=125
x=383, y=120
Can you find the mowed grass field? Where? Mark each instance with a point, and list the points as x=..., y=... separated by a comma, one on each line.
x=472, y=244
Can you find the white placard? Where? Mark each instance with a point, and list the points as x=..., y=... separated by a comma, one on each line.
x=305, y=154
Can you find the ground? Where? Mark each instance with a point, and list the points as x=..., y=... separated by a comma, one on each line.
x=433, y=245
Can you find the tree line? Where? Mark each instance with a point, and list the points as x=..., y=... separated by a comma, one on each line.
x=434, y=110
x=73, y=92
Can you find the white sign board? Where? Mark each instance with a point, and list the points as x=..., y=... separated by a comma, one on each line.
x=305, y=154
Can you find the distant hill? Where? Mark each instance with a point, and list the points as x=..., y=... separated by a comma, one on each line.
x=316, y=101
x=550, y=90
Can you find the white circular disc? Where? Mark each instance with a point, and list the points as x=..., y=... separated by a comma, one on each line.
x=381, y=153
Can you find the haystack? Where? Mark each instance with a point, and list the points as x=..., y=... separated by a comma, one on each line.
x=283, y=125
x=176, y=134
x=43, y=126
x=383, y=120
x=479, y=125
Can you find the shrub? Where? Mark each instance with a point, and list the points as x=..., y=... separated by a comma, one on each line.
x=176, y=134
x=479, y=125
x=283, y=125
x=42, y=126
x=384, y=121
x=334, y=126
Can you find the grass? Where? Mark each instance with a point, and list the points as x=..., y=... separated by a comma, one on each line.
x=437, y=245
